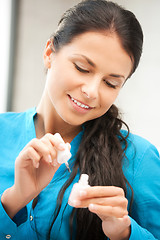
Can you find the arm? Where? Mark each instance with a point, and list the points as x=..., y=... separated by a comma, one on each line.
x=146, y=185
x=11, y=202
x=34, y=168
x=138, y=232
x=16, y=228
x=8, y=227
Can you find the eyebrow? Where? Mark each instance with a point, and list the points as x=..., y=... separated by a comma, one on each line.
x=94, y=65
x=87, y=59
x=116, y=75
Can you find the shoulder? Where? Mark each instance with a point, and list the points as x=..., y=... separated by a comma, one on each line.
x=142, y=166
x=14, y=117
x=9, y=122
x=9, y=117
x=141, y=160
x=139, y=146
x=13, y=122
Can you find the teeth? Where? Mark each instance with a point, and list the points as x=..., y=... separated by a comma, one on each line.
x=79, y=104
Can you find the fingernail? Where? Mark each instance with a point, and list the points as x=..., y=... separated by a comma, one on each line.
x=49, y=159
x=54, y=163
x=61, y=146
x=37, y=165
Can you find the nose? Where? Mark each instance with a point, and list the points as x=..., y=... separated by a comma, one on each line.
x=90, y=89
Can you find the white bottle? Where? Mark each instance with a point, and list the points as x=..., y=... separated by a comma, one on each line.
x=82, y=184
x=65, y=155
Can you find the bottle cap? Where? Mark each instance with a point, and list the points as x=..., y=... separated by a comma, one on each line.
x=84, y=179
x=63, y=156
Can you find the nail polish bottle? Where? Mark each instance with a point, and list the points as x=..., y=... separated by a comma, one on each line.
x=65, y=155
x=77, y=187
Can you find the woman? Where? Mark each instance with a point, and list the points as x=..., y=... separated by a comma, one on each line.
x=95, y=49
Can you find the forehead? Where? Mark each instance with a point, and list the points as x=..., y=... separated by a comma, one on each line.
x=103, y=49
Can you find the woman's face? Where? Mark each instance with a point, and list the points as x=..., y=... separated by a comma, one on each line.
x=85, y=76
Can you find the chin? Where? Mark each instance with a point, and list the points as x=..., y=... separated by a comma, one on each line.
x=74, y=122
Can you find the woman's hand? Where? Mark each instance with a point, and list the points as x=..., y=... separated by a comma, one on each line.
x=34, y=169
x=36, y=164
x=110, y=204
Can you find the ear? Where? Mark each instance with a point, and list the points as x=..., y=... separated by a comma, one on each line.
x=47, y=55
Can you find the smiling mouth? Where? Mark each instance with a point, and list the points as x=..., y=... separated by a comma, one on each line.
x=79, y=104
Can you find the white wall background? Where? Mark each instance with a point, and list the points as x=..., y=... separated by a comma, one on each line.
x=139, y=99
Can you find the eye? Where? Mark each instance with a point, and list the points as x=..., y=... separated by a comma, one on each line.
x=81, y=69
x=110, y=84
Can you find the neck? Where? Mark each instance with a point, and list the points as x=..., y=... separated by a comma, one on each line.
x=47, y=120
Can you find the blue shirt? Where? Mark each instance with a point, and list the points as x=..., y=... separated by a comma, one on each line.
x=141, y=168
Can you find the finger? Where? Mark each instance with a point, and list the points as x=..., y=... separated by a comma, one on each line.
x=52, y=150
x=100, y=191
x=107, y=211
x=55, y=141
x=126, y=220
x=105, y=201
x=41, y=148
x=28, y=154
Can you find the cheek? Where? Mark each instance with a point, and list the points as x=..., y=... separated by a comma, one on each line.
x=106, y=102
x=55, y=82
x=108, y=96
x=62, y=80
x=107, y=99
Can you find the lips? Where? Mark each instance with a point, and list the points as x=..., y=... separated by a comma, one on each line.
x=80, y=104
